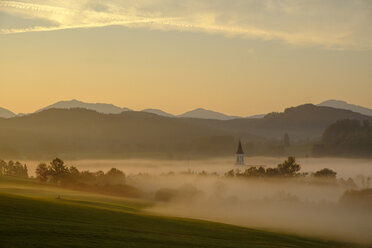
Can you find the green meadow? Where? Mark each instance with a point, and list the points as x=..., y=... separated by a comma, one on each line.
x=41, y=215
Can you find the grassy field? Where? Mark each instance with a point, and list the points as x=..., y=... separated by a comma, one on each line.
x=31, y=215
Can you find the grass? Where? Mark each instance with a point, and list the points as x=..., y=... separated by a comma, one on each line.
x=32, y=216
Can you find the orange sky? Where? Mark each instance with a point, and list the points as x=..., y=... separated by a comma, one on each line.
x=211, y=59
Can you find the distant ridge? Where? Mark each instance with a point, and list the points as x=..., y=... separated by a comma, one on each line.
x=5, y=113
x=103, y=108
x=306, y=121
x=83, y=133
x=344, y=105
x=201, y=113
x=158, y=112
x=256, y=116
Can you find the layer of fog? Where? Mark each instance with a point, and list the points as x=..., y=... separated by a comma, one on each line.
x=296, y=206
x=278, y=205
x=344, y=167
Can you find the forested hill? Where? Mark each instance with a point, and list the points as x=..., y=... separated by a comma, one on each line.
x=302, y=122
x=86, y=133
x=346, y=138
x=81, y=133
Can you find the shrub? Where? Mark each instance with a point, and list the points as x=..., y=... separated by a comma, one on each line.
x=325, y=173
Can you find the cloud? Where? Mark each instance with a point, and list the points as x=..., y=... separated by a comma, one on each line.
x=333, y=24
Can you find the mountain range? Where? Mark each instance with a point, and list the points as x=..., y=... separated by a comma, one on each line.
x=105, y=108
x=81, y=133
x=99, y=107
x=344, y=105
x=199, y=113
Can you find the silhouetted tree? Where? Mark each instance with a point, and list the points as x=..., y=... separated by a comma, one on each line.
x=10, y=169
x=73, y=174
x=3, y=167
x=20, y=170
x=115, y=176
x=289, y=167
x=58, y=170
x=13, y=169
x=325, y=173
x=42, y=172
x=100, y=173
x=272, y=172
x=255, y=172
x=112, y=182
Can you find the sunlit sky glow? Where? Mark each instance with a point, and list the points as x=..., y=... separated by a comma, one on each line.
x=241, y=57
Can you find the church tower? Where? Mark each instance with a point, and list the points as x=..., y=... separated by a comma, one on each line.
x=240, y=155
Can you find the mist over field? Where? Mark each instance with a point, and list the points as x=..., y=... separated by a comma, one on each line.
x=344, y=167
x=294, y=205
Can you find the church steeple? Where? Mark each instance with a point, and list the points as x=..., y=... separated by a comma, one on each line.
x=240, y=148
x=240, y=154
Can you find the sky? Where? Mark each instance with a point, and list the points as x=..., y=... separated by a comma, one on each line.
x=240, y=57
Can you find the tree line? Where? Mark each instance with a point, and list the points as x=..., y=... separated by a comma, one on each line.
x=289, y=168
x=111, y=182
x=12, y=168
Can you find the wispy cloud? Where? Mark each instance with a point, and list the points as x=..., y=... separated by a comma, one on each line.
x=333, y=24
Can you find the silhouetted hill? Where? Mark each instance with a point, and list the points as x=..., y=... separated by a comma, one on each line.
x=306, y=121
x=201, y=113
x=344, y=105
x=112, y=109
x=309, y=112
x=256, y=116
x=158, y=112
x=5, y=113
x=79, y=133
x=99, y=107
x=346, y=138
x=302, y=122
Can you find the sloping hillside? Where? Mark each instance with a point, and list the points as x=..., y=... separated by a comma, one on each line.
x=31, y=216
x=201, y=113
x=85, y=133
x=344, y=105
x=5, y=113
